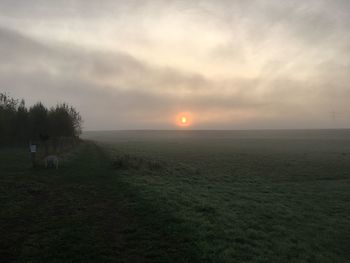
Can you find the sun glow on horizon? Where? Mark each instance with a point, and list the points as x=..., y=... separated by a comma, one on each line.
x=184, y=119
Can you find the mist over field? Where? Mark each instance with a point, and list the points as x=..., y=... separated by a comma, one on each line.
x=137, y=64
x=239, y=196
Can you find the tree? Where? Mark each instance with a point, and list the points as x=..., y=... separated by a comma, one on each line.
x=21, y=128
x=77, y=121
x=39, y=122
x=8, y=108
x=17, y=123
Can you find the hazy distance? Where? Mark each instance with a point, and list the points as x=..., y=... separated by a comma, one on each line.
x=139, y=64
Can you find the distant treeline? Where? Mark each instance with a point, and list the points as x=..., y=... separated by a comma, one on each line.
x=20, y=124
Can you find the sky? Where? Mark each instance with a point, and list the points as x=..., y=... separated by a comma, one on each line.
x=140, y=64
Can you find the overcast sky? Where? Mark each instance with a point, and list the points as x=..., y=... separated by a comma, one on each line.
x=136, y=64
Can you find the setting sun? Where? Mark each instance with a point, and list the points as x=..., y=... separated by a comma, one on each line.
x=184, y=119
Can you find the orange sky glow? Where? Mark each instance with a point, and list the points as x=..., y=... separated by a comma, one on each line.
x=184, y=119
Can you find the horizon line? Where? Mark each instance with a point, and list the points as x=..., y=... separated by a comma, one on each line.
x=260, y=129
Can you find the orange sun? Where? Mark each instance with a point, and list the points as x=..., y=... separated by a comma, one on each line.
x=184, y=119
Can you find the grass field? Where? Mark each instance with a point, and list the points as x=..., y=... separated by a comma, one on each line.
x=182, y=196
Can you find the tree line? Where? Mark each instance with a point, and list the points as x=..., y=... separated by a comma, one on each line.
x=19, y=123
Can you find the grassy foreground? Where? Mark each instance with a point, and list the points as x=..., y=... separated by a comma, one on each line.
x=207, y=200
x=80, y=213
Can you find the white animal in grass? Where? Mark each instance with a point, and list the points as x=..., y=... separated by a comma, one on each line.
x=51, y=161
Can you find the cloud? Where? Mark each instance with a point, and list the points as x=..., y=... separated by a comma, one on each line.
x=281, y=63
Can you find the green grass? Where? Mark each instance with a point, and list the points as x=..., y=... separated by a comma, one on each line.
x=79, y=213
x=181, y=197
